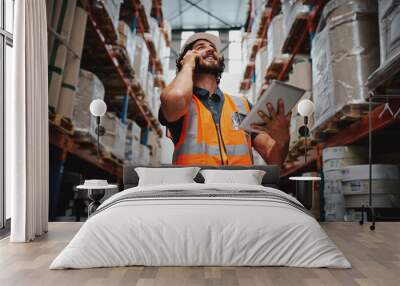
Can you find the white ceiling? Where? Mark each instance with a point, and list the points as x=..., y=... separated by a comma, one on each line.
x=180, y=14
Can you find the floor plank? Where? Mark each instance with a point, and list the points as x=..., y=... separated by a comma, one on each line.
x=375, y=257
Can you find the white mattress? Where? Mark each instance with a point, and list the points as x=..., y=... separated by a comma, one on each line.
x=202, y=231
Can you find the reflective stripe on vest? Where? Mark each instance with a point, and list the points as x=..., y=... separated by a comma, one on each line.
x=199, y=143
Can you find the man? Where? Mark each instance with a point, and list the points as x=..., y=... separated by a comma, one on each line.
x=203, y=121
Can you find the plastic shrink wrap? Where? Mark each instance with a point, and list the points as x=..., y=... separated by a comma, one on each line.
x=344, y=53
x=89, y=88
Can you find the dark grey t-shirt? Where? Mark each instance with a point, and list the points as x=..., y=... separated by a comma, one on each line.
x=213, y=103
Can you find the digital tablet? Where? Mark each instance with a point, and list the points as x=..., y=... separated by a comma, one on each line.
x=277, y=90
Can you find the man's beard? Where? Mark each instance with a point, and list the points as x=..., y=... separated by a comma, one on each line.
x=214, y=69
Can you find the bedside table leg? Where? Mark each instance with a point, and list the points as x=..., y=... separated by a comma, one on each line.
x=95, y=196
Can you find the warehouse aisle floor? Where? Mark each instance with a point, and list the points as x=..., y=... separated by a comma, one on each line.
x=375, y=257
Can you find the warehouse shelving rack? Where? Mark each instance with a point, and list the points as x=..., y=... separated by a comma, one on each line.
x=109, y=62
x=103, y=57
x=351, y=134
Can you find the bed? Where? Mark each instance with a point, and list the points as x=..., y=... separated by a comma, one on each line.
x=198, y=224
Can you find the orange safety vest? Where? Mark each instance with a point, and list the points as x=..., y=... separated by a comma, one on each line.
x=205, y=142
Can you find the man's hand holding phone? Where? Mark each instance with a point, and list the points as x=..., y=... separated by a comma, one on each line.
x=190, y=59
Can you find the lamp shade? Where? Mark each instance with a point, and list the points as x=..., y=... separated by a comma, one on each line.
x=305, y=107
x=98, y=107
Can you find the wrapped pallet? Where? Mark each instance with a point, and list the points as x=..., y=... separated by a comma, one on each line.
x=61, y=24
x=154, y=101
x=69, y=85
x=334, y=160
x=113, y=7
x=389, y=23
x=155, y=33
x=344, y=53
x=164, y=53
x=147, y=5
x=128, y=142
x=247, y=44
x=126, y=39
x=89, y=88
x=132, y=142
x=260, y=68
x=301, y=74
x=136, y=152
x=113, y=140
x=141, y=62
x=292, y=10
x=154, y=142
x=149, y=87
x=143, y=154
x=275, y=42
x=385, y=182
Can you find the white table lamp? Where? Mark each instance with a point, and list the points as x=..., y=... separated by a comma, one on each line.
x=98, y=108
x=305, y=107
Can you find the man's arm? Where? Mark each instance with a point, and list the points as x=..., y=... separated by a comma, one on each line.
x=273, y=141
x=176, y=97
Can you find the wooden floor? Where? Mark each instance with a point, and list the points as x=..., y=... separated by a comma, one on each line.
x=375, y=257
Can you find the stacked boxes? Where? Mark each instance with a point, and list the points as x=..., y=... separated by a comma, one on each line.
x=112, y=7
x=126, y=39
x=155, y=145
x=149, y=87
x=155, y=32
x=301, y=75
x=147, y=5
x=247, y=43
x=344, y=54
x=389, y=22
x=275, y=41
x=385, y=182
x=132, y=142
x=89, y=88
x=141, y=62
x=142, y=154
x=334, y=160
x=292, y=9
x=164, y=50
x=114, y=140
x=260, y=68
x=65, y=105
x=155, y=101
x=62, y=16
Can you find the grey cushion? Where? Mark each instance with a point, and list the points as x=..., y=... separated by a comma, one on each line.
x=270, y=179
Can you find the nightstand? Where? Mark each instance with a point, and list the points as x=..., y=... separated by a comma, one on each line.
x=96, y=190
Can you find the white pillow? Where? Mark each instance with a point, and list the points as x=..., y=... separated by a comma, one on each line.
x=248, y=177
x=166, y=176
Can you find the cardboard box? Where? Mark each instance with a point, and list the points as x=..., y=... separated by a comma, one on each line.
x=292, y=9
x=344, y=54
x=113, y=8
x=275, y=41
x=114, y=139
x=89, y=88
x=261, y=68
x=141, y=62
x=389, y=22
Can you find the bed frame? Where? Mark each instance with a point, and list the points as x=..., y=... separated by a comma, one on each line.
x=270, y=179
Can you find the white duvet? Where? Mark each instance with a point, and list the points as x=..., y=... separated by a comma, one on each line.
x=188, y=231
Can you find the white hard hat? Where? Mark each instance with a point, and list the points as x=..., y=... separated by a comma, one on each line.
x=203, y=36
